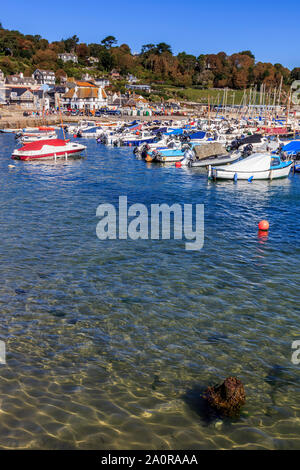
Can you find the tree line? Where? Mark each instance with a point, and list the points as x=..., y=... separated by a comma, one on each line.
x=155, y=63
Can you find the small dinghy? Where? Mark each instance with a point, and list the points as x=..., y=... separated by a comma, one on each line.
x=258, y=166
x=48, y=149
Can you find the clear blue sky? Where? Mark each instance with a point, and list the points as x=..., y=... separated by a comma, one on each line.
x=269, y=28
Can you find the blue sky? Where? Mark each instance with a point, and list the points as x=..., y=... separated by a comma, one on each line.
x=269, y=28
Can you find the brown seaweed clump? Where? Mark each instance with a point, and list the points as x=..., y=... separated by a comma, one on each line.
x=227, y=398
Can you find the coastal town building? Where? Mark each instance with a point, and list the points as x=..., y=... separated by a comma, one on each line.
x=146, y=88
x=102, y=82
x=131, y=79
x=84, y=95
x=19, y=79
x=44, y=77
x=21, y=96
x=55, y=95
x=116, y=100
x=93, y=60
x=41, y=100
x=115, y=75
x=68, y=57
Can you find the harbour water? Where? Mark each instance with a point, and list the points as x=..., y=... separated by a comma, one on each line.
x=110, y=343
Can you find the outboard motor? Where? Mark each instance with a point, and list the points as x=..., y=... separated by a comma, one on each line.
x=188, y=158
x=248, y=150
x=144, y=150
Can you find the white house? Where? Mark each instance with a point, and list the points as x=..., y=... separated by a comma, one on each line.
x=84, y=95
x=44, y=77
x=19, y=79
x=68, y=57
x=93, y=60
x=102, y=82
x=139, y=87
x=20, y=96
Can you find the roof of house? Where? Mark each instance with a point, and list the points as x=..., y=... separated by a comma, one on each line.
x=10, y=79
x=19, y=91
x=45, y=71
x=82, y=93
x=68, y=54
x=57, y=89
x=85, y=84
x=69, y=93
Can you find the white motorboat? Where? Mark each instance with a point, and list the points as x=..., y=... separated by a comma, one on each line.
x=38, y=137
x=258, y=166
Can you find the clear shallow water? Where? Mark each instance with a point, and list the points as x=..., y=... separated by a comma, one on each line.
x=109, y=344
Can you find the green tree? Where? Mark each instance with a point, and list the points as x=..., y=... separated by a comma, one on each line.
x=108, y=41
x=70, y=43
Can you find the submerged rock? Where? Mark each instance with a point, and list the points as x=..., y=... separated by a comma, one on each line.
x=227, y=398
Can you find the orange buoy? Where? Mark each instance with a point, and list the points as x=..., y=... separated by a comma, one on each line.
x=178, y=164
x=264, y=225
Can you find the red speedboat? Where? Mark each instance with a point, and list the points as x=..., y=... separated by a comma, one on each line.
x=48, y=149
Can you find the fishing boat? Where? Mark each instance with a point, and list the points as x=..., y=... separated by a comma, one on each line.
x=257, y=166
x=48, y=149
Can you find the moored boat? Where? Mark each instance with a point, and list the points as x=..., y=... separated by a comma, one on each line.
x=37, y=137
x=48, y=149
x=257, y=166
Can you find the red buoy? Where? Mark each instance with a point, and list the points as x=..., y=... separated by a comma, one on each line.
x=178, y=164
x=264, y=225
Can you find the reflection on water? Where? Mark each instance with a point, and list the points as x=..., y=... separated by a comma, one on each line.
x=110, y=344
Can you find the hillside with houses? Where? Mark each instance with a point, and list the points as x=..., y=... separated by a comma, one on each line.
x=42, y=75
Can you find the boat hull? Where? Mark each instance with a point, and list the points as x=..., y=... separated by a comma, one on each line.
x=214, y=161
x=49, y=156
x=246, y=175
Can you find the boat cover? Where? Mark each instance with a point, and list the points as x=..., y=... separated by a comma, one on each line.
x=292, y=148
x=251, y=139
x=175, y=132
x=208, y=150
x=197, y=135
x=253, y=163
x=38, y=145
